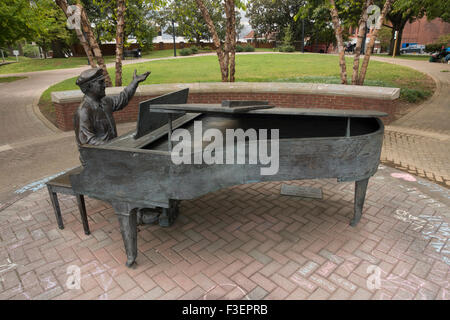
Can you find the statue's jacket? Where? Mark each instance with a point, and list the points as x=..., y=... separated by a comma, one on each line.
x=94, y=122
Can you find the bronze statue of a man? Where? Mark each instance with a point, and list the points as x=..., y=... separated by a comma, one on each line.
x=94, y=122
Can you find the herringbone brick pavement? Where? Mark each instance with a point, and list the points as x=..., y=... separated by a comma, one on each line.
x=424, y=156
x=244, y=242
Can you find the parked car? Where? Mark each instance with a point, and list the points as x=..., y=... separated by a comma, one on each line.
x=412, y=48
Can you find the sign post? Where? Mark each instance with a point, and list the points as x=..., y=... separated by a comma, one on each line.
x=16, y=53
x=395, y=44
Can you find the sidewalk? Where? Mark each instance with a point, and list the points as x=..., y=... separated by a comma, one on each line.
x=419, y=142
x=242, y=242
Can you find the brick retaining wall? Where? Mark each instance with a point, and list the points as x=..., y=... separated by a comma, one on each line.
x=280, y=94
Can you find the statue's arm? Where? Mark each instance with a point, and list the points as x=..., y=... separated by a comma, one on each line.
x=121, y=101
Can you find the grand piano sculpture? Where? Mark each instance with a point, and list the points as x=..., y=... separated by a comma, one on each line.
x=135, y=170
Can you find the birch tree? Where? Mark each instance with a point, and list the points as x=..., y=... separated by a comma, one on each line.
x=119, y=40
x=379, y=23
x=226, y=52
x=340, y=41
x=74, y=22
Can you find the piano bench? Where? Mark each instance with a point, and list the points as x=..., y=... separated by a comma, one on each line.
x=61, y=184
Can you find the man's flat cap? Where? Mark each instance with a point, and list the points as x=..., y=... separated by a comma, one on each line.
x=89, y=75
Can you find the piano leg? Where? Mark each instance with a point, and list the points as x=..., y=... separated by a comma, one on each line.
x=168, y=215
x=360, y=196
x=128, y=227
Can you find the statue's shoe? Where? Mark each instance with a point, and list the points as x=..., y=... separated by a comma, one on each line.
x=148, y=216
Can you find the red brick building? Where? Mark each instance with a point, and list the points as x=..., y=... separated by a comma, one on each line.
x=422, y=31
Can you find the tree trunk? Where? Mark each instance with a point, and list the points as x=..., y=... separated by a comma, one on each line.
x=119, y=40
x=223, y=59
x=386, y=8
x=231, y=36
x=361, y=33
x=340, y=41
x=85, y=24
x=87, y=49
x=57, y=48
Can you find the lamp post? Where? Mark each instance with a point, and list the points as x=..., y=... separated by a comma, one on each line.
x=303, y=35
x=174, y=43
x=363, y=47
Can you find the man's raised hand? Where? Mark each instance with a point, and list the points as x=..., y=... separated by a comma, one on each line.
x=141, y=77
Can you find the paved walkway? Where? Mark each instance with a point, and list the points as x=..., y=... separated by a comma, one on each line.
x=237, y=243
x=241, y=242
x=420, y=141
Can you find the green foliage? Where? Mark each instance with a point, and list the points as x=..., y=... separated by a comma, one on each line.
x=190, y=20
x=15, y=21
x=430, y=8
x=384, y=36
x=433, y=47
x=11, y=79
x=286, y=48
x=239, y=48
x=138, y=25
x=414, y=95
x=287, y=39
x=249, y=48
x=442, y=41
x=194, y=49
x=185, y=52
x=49, y=24
x=30, y=51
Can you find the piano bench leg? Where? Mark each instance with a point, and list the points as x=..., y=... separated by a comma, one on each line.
x=56, y=208
x=82, y=209
x=360, y=196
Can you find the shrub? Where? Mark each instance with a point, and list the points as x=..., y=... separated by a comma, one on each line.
x=249, y=48
x=30, y=51
x=194, y=49
x=433, y=47
x=286, y=48
x=185, y=52
x=239, y=48
x=414, y=95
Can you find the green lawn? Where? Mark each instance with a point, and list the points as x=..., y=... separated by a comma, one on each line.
x=10, y=79
x=406, y=56
x=29, y=65
x=269, y=68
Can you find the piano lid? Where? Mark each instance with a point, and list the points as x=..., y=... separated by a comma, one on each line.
x=264, y=109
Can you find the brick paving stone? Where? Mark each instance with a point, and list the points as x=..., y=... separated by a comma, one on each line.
x=361, y=294
x=153, y=294
x=257, y=294
x=340, y=294
x=164, y=282
x=298, y=294
x=319, y=294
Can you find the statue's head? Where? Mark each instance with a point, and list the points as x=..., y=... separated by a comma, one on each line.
x=92, y=83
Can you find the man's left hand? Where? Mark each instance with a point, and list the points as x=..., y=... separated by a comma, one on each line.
x=141, y=77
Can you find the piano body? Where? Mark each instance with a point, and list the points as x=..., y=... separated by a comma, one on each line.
x=135, y=170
